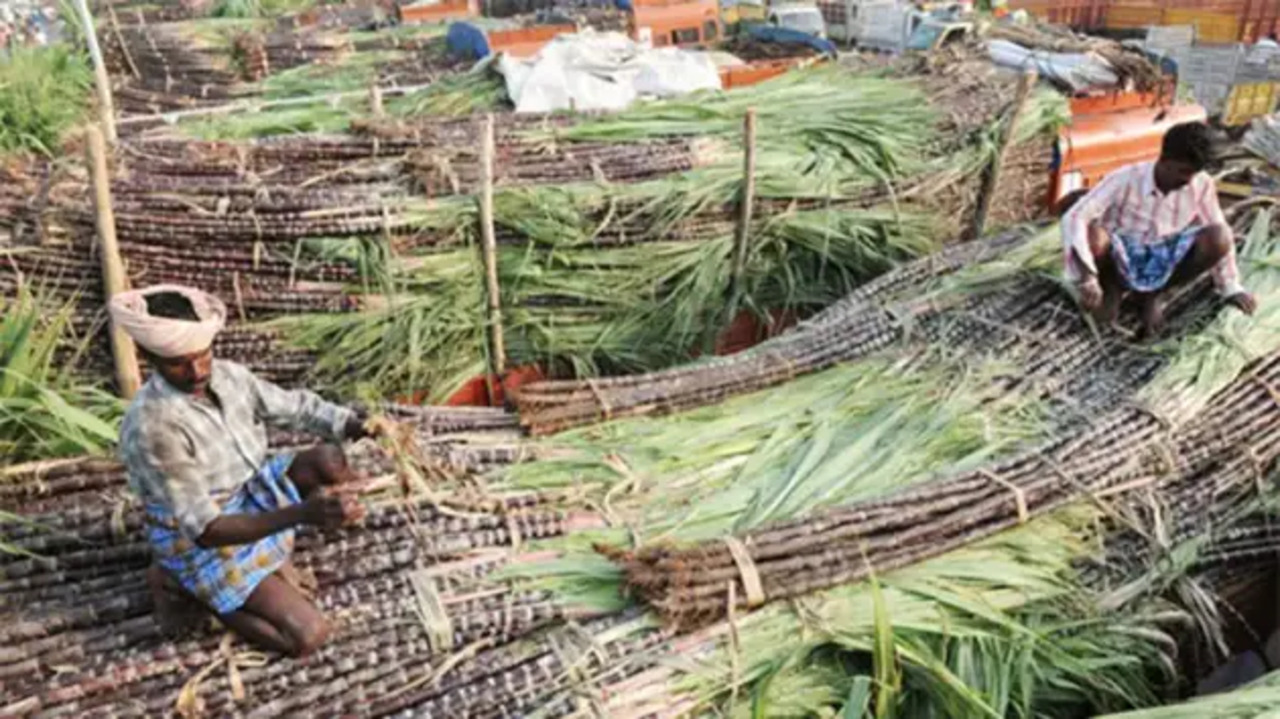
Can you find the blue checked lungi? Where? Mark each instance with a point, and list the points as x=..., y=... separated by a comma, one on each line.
x=224, y=577
x=1148, y=267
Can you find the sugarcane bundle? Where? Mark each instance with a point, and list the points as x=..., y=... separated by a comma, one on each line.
x=852, y=327
x=792, y=558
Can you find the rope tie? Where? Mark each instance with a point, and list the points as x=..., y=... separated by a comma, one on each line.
x=118, y=528
x=239, y=296
x=600, y=400
x=1019, y=496
x=431, y=612
x=513, y=530
x=747, y=569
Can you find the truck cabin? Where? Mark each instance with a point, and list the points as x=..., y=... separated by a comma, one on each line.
x=685, y=24
x=801, y=18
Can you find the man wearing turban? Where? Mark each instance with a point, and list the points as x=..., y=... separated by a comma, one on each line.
x=220, y=512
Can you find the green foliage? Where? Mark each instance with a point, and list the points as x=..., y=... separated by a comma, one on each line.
x=585, y=309
x=44, y=412
x=993, y=630
x=44, y=92
x=825, y=439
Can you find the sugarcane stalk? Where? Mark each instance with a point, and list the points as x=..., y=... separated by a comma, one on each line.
x=489, y=248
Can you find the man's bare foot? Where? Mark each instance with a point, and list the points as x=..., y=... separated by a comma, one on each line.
x=176, y=611
x=304, y=580
x=1152, y=316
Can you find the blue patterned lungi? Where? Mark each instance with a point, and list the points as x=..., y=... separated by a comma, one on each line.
x=1148, y=267
x=224, y=577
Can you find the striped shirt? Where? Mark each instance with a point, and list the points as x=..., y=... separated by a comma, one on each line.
x=189, y=454
x=1127, y=202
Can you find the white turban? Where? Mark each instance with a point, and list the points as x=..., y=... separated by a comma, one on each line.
x=166, y=337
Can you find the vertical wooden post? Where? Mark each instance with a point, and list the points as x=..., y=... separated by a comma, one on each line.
x=746, y=207
x=128, y=376
x=375, y=100
x=106, y=107
x=489, y=246
x=991, y=181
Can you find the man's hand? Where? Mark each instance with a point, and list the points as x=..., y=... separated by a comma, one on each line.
x=335, y=506
x=359, y=427
x=1090, y=293
x=1244, y=301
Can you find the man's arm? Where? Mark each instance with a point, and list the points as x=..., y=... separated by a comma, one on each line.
x=1078, y=256
x=1226, y=274
x=200, y=519
x=329, y=507
x=300, y=410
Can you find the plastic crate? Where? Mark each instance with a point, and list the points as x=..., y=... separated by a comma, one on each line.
x=1126, y=17
x=1200, y=65
x=1248, y=101
x=1170, y=39
x=1214, y=28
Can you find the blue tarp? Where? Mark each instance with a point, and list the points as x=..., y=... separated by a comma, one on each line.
x=624, y=5
x=465, y=40
x=785, y=36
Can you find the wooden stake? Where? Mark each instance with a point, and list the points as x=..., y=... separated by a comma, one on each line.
x=746, y=207
x=106, y=107
x=489, y=245
x=128, y=376
x=991, y=181
x=375, y=100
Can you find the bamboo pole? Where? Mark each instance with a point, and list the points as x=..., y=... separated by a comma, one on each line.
x=106, y=107
x=991, y=181
x=128, y=376
x=489, y=246
x=746, y=207
x=375, y=101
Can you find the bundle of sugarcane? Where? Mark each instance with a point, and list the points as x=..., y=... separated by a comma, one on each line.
x=583, y=308
x=789, y=559
x=258, y=55
x=852, y=327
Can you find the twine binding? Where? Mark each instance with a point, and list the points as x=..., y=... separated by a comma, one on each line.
x=1019, y=496
x=747, y=569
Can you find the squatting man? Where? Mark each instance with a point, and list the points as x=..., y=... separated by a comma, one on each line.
x=1150, y=226
x=220, y=513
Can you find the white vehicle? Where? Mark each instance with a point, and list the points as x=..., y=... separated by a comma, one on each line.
x=801, y=18
x=887, y=25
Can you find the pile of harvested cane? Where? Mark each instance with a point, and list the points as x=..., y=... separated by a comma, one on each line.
x=428, y=626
